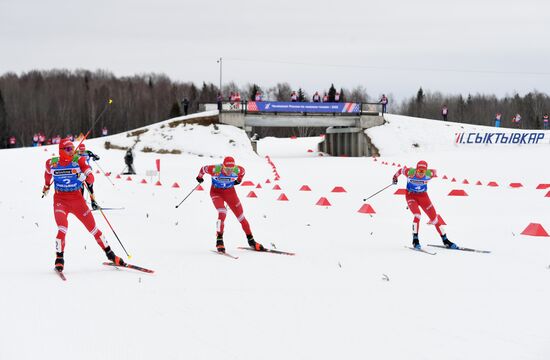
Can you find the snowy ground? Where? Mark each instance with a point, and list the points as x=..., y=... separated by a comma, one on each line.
x=330, y=301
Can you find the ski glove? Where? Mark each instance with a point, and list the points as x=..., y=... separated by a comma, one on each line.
x=95, y=157
x=237, y=181
x=199, y=179
x=45, y=190
x=82, y=177
x=395, y=180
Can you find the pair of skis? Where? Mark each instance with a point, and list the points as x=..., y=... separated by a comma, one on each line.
x=108, y=263
x=272, y=251
x=444, y=247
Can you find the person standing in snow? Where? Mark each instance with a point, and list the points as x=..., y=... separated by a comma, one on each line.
x=498, y=116
x=129, y=161
x=87, y=154
x=417, y=197
x=545, y=121
x=68, y=172
x=384, y=101
x=444, y=112
x=224, y=178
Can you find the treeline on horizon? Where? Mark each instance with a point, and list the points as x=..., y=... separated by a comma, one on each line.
x=67, y=102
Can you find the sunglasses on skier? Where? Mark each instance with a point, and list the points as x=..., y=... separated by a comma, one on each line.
x=68, y=149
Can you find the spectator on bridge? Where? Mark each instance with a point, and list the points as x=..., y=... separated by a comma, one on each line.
x=104, y=132
x=337, y=97
x=444, y=112
x=237, y=100
x=497, y=119
x=35, y=139
x=316, y=97
x=384, y=102
x=294, y=96
x=545, y=121
x=12, y=142
x=258, y=96
x=219, y=100
x=325, y=97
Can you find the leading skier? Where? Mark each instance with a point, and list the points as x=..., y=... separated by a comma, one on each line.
x=69, y=171
x=224, y=178
x=417, y=197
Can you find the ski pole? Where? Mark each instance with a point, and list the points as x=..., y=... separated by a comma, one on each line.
x=109, y=102
x=379, y=191
x=95, y=162
x=195, y=188
x=108, y=223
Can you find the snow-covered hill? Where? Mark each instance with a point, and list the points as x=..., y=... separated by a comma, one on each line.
x=352, y=291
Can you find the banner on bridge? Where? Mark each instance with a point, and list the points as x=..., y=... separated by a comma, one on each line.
x=305, y=107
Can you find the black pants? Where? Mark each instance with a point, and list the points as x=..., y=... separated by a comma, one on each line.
x=90, y=186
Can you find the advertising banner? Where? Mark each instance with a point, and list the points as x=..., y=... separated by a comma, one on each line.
x=305, y=107
x=500, y=138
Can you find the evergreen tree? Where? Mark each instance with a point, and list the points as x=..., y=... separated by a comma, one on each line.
x=301, y=95
x=331, y=93
x=4, y=128
x=342, y=97
x=252, y=92
x=419, y=102
x=175, y=110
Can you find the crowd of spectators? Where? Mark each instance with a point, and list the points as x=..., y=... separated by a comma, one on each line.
x=40, y=139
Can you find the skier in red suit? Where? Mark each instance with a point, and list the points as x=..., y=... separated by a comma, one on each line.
x=417, y=197
x=69, y=171
x=224, y=178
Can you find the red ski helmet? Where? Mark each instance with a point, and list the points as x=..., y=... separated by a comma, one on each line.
x=422, y=165
x=81, y=147
x=229, y=162
x=66, y=149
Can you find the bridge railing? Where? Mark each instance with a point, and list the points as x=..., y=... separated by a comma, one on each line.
x=297, y=108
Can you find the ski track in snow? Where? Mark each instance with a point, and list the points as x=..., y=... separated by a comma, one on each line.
x=351, y=292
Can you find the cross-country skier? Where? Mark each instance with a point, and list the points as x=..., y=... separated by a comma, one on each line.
x=224, y=177
x=87, y=154
x=417, y=197
x=69, y=171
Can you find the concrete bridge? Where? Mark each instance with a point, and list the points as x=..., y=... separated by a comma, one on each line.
x=345, y=134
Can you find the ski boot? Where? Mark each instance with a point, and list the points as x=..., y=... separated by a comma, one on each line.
x=115, y=259
x=59, y=262
x=94, y=205
x=253, y=244
x=219, y=244
x=447, y=243
x=416, y=242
